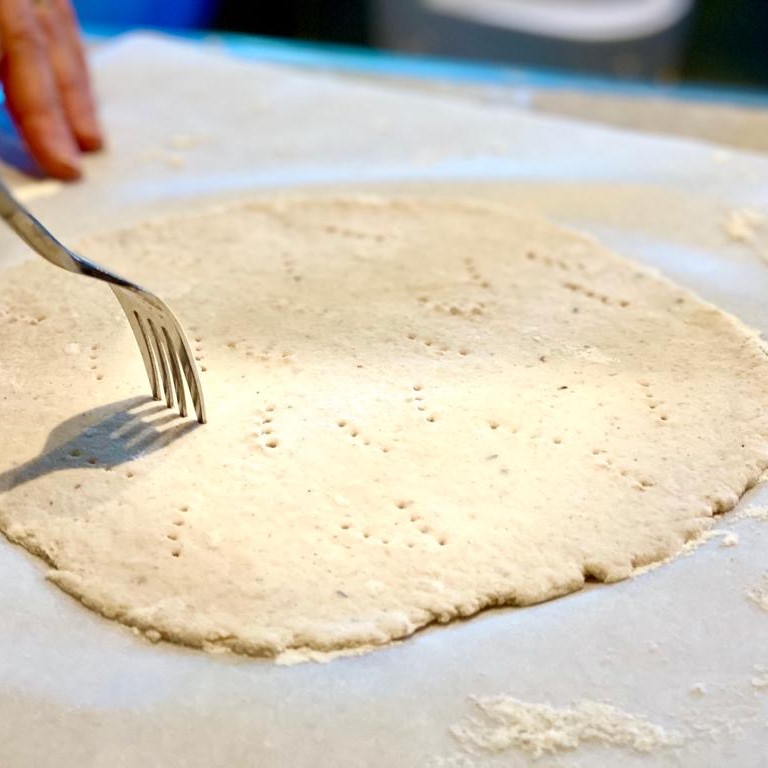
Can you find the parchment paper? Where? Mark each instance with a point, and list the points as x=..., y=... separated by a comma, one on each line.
x=188, y=127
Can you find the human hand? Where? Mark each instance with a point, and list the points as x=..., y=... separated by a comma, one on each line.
x=47, y=88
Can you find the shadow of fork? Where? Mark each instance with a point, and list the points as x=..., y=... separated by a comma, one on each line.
x=102, y=438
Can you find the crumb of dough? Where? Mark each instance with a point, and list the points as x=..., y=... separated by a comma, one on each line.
x=760, y=678
x=755, y=512
x=175, y=161
x=722, y=156
x=185, y=141
x=730, y=539
x=741, y=225
x=750, y=228
x=759, y=594
x=506, y=723
x=699, y=689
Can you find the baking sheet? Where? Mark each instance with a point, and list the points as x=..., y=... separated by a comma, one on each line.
x=188, y=127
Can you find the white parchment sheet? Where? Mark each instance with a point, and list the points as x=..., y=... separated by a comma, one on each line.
x=680, y=646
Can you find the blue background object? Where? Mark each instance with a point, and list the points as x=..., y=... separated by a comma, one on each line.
x=178, y=14
x=368, y=61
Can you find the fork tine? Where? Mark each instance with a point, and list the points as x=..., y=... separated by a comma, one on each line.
x=193, y=380
x=147, y=355
x=178, y=382
x=157, y=351
x=134, y=320
x=160, y=355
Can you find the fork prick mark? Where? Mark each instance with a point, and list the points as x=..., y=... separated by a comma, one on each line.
x=160, y=355
x=178, y=382
x=146, y=353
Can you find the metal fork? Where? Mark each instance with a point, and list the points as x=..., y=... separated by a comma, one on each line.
x=161, y=339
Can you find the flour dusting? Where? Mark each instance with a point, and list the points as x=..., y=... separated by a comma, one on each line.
x=759, y=594
x=449, y=761
x=686, y=550
x=760, y=678
x=757, y=512
x=507, y=723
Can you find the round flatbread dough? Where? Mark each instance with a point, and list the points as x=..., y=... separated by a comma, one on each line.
x=417, y=409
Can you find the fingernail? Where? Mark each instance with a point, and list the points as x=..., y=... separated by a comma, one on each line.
x=90, y=135
x=70, y=163
x=91, y=142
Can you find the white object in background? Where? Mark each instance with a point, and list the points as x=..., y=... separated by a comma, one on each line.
x=579, y=20
x=26, y=193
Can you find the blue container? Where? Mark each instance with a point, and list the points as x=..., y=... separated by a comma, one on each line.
x=178, y=14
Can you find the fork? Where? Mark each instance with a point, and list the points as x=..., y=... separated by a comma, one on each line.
x=164, y=347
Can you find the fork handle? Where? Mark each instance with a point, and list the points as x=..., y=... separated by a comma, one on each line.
x=37, y=237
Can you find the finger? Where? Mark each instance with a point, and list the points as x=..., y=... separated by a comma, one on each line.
x=30, y=91
x=67, y=56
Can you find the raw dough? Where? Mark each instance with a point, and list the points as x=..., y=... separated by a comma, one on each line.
x=417, y=409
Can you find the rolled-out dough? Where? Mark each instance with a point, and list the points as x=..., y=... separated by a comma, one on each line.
x=418, y=409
